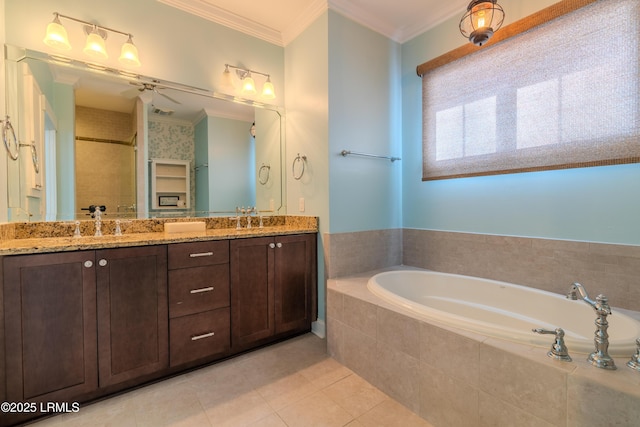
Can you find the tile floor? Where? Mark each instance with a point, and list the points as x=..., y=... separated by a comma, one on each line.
x=293, y=383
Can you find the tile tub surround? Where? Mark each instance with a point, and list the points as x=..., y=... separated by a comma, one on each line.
x=551, y=265
x=351, y=253
x=452, y=377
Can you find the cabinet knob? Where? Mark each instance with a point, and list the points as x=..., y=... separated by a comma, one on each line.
x=278, y=245
x=272, y=245
x=88, y=264
x=102, y=262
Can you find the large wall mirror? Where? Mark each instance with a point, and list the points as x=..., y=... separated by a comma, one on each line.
x=141, y=147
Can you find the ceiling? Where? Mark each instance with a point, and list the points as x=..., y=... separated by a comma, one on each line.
x=280, y=21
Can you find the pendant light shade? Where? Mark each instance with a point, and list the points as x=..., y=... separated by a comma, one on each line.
x=129, y=53
x=95, y=45
x=482, y=19
x=248, y=85
x=56, y=36
x=227, y=80
x=268, y=91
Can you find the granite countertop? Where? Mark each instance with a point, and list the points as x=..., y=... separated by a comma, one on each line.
x=32, y=238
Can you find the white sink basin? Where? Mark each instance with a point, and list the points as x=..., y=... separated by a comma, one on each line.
x=184, y=227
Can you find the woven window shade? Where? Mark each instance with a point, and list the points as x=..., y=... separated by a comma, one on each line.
x=561, y=95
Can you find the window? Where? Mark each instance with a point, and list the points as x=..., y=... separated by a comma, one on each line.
x=563, y=92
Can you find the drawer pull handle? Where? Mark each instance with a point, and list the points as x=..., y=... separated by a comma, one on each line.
x=201, y=254
x=198, y=291
x=199, y=337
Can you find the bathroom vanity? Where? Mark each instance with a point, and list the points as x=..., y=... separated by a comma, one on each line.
x=100, y=316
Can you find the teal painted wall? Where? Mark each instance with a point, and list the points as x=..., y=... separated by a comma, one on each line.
x=201, y=155
x=599, y=204
x=307, y=131
x=365, y=116
x=231, y=164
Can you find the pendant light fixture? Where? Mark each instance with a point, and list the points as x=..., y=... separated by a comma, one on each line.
x=95, y=45
x=56, y=36
x=268, y=91
x=129, y=53
x=248, y=84
x=481, y=21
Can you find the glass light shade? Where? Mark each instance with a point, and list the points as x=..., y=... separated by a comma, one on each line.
x=227, y=80
x=129, y=54
x=248, y=85
x=482, y=19
x=56, y=36
x=268, y=91
x=95, y=46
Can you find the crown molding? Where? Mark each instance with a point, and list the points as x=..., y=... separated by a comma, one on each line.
x=399, y=35
x=310, y=14
x=223, y=17
x=359, y=14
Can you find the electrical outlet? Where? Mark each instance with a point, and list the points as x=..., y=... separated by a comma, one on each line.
x=301, y=204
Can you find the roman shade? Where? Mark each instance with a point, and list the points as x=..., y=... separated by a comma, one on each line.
x=558, y=90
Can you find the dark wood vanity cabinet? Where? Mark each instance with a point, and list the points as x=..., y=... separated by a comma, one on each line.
x=50, y=326
x=199, y=301
x=133, y=329
x=75, y=326
x=77, y=321
x=273, y=285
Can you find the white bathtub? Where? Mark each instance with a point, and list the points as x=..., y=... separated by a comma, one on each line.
x=503, y=310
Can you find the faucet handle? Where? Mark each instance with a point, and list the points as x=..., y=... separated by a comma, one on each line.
x=634, y=363
x=558, y=350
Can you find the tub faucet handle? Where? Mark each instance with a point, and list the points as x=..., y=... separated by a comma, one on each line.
x=558, y=350
x=634, y=363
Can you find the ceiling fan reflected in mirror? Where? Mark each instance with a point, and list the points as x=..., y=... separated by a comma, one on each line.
x=151, y=87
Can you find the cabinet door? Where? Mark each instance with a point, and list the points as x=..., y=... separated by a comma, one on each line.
x=295, y=282
x=251, y=264
x=50, y=321
x=132, y=312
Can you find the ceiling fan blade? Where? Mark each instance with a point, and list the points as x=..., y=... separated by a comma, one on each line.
x=130, y=93
x=166, y=96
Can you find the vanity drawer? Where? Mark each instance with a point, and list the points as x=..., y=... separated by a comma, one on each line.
x=199, y=335
x=196, y=289
x=195, y=254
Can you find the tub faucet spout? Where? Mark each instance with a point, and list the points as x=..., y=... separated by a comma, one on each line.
x=599, y=358
x=577, y=290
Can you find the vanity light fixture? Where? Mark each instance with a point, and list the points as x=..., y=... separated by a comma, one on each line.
x=482, y=19
x=57, y=35
x=248, y=83
x=95, y=46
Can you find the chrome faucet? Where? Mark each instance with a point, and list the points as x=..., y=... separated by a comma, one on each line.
x=599, y=358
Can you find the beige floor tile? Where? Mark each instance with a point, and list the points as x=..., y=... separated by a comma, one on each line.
x=391, y=414
x=290, y=384
x=315, y=410
x=242, y=410
x=325, y=372
x=285, y=391
x=355, y=395
x=272, y=420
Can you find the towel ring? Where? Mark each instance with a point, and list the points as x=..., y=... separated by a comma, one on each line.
x=263, y=168
x=34, y=155
x=299, y=159
x=6, y=128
